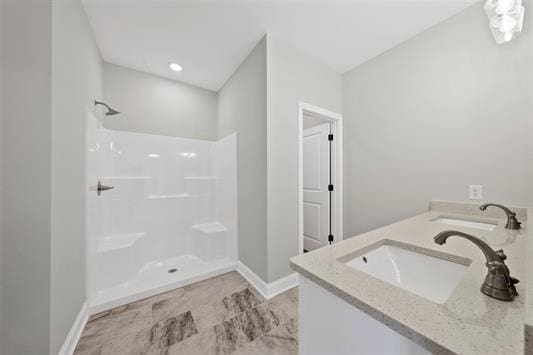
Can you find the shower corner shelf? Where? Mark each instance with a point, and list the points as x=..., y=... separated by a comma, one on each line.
x=210, y=228
x=119, y=241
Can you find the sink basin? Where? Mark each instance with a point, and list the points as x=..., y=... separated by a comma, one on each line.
x=427, y=276
x=487, y=226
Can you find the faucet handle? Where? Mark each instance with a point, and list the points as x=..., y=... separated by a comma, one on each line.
x=494, y=265
x=514, y=280
x=501, y=255
x=513, y=223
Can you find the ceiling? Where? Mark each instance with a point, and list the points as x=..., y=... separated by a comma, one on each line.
x=211, y=38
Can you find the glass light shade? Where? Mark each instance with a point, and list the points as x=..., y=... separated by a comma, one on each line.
x=496, y=8
x=504, y=6
x=506, y=18
x=507, y=24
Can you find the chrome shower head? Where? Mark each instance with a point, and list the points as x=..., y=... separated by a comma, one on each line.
x=110, y=111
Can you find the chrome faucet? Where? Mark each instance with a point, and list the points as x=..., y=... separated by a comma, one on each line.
x=498, y=283
x=512, y=222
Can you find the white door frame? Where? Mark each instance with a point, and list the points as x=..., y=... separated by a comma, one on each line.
x=304, y=108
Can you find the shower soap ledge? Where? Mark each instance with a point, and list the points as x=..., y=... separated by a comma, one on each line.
x=210, y=228
x=201, y=178
x=162, y=197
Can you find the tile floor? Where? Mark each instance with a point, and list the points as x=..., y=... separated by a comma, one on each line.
x=222, y=315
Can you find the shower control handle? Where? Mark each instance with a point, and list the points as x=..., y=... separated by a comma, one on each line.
x=100, y=188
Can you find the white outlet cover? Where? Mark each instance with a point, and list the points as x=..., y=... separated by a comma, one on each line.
x=475, y=192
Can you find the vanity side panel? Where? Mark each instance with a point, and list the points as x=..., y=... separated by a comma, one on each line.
x=329, y=325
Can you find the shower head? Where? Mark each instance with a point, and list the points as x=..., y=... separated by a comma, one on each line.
x=110, y=111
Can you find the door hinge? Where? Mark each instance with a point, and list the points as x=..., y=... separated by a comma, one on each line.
x=330, y=137
x=330, y=187
x=330, y=238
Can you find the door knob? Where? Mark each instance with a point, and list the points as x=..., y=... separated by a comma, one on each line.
x=100, y=188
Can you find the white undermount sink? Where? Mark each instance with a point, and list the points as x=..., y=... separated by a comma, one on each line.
x=427, y=276
x=487, y=226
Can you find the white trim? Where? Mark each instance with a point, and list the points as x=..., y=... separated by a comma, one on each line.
x=282, y=285
x=267, y=290
x=253, y=279
x=74, y=333
x=338, y=207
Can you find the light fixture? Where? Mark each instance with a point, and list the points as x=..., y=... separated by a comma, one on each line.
x=506, y=18
x=175, y=66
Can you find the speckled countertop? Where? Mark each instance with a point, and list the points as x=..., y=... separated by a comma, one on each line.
x=469, y=322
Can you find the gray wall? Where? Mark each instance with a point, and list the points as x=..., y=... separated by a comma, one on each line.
x=26, y=170
x=292, y=77
x=76, y=81
x=242, y=108
x=150, y=104
x=445, y=109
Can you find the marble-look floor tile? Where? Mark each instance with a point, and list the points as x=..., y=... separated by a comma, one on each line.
x=152, y=340
x=117, y=318
x=231, y=334
x=223, y=338
x=88, y=348
x=198, y=295
x=124, y=343
x=285, y=305
x=281, y=340
x=225, y=308
x=258, y=321
x=118, y=322
x=222, y=315
x=132, y=344
x=172, y=330
x=240, y=301
x=168, y=308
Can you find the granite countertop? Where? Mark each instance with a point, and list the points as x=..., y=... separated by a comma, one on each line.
x=468, y=322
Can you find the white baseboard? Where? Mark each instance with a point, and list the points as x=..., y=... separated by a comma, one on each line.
x=74, y=334
x=282, y=285
x=253, y=279
x=267, y=290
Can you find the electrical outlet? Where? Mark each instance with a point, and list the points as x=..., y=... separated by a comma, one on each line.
x=475, y=192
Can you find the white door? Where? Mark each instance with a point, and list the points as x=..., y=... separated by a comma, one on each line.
x=316, y=174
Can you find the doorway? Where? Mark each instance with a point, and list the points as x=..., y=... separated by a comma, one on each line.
x=320, y=177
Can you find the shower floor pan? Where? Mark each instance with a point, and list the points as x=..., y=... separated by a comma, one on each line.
x=158, y=277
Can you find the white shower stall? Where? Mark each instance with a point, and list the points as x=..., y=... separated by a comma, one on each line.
x=170, y=218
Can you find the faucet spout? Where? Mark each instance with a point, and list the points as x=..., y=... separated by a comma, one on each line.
x=512, y=222
x=498, y=284
x=490, y=254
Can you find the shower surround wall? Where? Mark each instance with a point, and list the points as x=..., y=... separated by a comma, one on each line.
x=171, y=218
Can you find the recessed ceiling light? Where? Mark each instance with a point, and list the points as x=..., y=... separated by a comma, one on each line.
x=175, y=66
